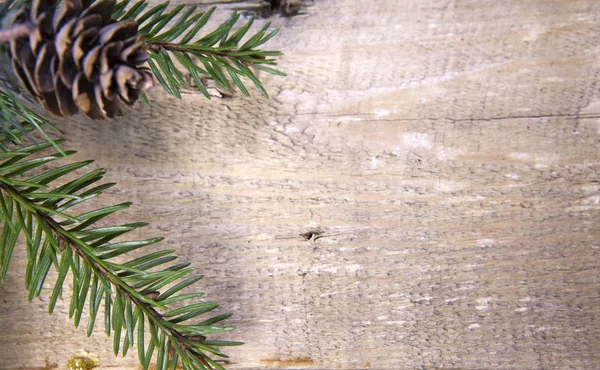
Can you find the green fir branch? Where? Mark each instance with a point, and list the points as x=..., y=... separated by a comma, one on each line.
x=219, y=55
x=139, y=296
x=17, y=120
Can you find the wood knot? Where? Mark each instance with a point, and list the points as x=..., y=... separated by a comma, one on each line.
x=289, y=8
x=313, y=234
x=268, y=8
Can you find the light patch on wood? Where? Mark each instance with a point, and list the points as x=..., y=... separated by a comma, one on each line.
x=417, y=140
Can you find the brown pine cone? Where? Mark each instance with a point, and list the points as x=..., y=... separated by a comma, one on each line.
x=79, y=59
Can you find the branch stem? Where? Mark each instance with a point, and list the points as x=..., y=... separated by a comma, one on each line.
x=15, y=31
x=169, y=46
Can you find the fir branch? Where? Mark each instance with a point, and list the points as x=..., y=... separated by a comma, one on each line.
x=130, y=291
x=18, y=118
x=216, y=55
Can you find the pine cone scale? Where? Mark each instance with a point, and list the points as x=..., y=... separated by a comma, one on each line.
x=90, y=21
x=104, y=8
x=26, y=65
x=20, y=72
x=67, y=70
x=124, y=76
x=79, y=59
x=109, y=53
x=65, y=98
x=51, y=103
x=43, y=66
x=109, y=106
x=105, y=84
x=39, y=8
x=83, y=44
x=67, y=11
x=63, y=38
x=90, y=61
x=118, y=31
x=84, y=96
x=135, y=54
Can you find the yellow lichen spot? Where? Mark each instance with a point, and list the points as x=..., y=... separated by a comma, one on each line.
x=82, y=361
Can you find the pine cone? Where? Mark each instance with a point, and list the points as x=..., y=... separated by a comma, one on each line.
x=79, y=59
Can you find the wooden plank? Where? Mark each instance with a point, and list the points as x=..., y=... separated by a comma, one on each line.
x=420, y=192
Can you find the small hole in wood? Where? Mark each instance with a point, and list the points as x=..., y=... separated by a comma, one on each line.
x=312, y=235
x=269, y=8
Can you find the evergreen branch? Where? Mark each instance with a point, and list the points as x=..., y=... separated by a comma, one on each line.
x=131, y=291
x=17, y=119
x=218, y=52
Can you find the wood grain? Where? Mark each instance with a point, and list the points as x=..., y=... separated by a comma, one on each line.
x=422, y=191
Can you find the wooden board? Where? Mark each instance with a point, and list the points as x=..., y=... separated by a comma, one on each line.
x=422, y=191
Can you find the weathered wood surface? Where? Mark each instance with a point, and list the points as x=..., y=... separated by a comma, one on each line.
x=445, y=152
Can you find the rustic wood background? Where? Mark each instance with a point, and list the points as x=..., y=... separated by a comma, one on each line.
x=422, y=191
